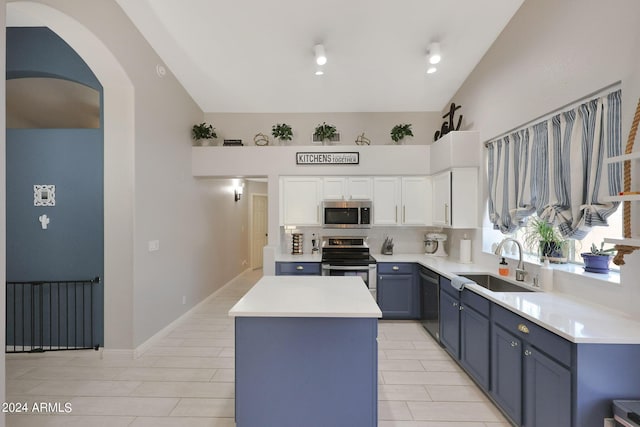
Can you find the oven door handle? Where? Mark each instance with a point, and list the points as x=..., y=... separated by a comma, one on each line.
x=345, y=268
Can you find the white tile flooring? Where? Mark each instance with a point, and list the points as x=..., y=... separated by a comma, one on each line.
x=186, y=379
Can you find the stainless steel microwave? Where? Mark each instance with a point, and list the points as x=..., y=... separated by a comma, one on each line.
x=346, y=214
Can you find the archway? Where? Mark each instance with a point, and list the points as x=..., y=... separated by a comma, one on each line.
x=118, y=161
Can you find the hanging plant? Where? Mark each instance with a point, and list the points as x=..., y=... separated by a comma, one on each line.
x=283, y=132
x=324, y=132
x=203, y=131
x=399, y=132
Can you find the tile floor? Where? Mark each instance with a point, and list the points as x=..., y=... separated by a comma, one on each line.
x=186, y=379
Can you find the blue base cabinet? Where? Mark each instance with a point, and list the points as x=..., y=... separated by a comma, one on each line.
x=398, y=291
x=449, y=318
x=298, y=269
x=506, y=368
x=475, y=337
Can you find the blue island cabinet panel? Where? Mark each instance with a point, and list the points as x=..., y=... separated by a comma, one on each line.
x=506, y=373
x=312, y=372
x=475, y=341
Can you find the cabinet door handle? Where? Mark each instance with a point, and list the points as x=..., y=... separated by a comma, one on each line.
x=395, y=268
x=318, y=214
x=455, y=304
x=404, y=214
x=396, y=213
x=446, y=213
x=461, y=307
x=527, y=353
x=523, y=328
x=514, y=344
x=300, y=268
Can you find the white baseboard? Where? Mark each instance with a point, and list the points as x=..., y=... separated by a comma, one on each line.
x=142, y=348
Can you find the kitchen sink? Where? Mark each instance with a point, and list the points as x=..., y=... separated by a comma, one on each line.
x=494, y=283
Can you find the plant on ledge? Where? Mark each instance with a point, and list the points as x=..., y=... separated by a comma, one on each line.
x=597, y=261
x=203, y=132
x=544, y=237
x=283, y=132
x=325, y=132
x=399, y=132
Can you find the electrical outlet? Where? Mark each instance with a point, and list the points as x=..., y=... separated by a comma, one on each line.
x=184, y=299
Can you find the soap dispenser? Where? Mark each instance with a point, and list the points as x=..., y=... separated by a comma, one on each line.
x=503, y=269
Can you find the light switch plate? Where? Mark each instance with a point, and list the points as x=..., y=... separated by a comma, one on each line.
x=154, y=245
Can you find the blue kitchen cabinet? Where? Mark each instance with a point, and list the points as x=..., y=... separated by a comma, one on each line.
x=298, y=269
x=547, y=390
x=531, y=362
x=450, y=318
x=506, y=377
x=398, y=291
x=475, y=337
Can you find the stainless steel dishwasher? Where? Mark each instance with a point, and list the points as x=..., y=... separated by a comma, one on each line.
x=430, y=302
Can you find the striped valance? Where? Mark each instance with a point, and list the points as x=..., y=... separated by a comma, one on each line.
x=556, y=168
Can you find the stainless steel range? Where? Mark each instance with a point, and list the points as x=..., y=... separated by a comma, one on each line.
x=349, y=256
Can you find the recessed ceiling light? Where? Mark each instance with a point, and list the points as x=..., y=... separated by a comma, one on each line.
x=319, y=73
x=321, y=56
x=434, y=53
x=431, y=70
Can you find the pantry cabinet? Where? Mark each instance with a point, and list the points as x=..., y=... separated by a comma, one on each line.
x=455, y=198
x=301, y=199
x=347, y=188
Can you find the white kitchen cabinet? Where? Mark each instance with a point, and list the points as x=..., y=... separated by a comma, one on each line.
x=386, y=200
x=347, y=188
x=455, y=198
x=301, y=198
x=402, y=201
x=416, y=201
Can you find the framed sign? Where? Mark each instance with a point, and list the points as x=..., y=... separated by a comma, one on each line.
x=322, y=158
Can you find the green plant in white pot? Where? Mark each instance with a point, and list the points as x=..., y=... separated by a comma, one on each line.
x=282, y=132
x=203, y=132
x=399, y=132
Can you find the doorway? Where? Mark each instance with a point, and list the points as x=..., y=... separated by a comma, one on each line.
x=259, y=228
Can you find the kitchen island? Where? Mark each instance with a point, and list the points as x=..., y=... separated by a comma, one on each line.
x=306, y=353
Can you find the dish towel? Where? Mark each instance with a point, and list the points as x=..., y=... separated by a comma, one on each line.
x=458, y=282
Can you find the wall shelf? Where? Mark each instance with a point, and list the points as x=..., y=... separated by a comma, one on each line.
x=628, y=198
x=631, y=156
x=633, y=241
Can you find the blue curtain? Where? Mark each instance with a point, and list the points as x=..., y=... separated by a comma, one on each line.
x=559, y=172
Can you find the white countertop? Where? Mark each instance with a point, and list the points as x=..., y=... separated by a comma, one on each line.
x=574, y=320
x=298, y=258
x=307, y=296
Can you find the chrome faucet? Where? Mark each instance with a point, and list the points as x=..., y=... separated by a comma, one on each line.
x=520, y=273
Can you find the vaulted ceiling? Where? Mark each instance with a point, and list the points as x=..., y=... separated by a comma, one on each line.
x=257, y=56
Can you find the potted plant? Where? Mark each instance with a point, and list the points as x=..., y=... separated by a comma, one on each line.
x=282, y=132
x=324, y=132
x=399, y=132
x=203, y=132
x=546, y=238
x=597, y=261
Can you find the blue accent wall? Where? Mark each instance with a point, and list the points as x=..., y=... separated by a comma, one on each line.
x=72, y=248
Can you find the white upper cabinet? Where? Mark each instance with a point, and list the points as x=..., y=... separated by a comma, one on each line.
x=455, y=198
x=301, y=198
x=402, y=201
x=347, y=188
x=416, y=200
x=386, y=200
x=455, y=149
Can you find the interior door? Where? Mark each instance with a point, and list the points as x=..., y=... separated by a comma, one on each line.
x=259, y=224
